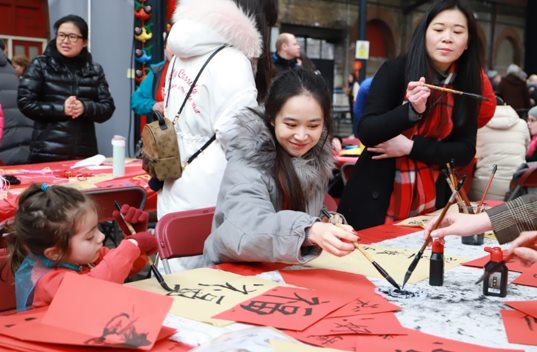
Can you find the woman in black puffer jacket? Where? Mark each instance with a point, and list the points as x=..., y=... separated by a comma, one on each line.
x=65, y=93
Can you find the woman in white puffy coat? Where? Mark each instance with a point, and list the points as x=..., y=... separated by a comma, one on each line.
x=227, y=85
x=502, y=141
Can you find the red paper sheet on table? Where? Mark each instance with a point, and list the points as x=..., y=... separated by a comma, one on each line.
x=290, y=308
x=27, y=329
x=384, y=232
x=339, y=342
x=110, y=313
x=520, y=327
x=369, y=304
x=513, y=264
x=249, y=269
x=371, y=324
x=418, y=341
x=320, y=279
x=13, y=344
x=527, y=307
x=528, y=277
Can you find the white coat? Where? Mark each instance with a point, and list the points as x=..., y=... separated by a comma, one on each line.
x=502, y=141
x=226, y=86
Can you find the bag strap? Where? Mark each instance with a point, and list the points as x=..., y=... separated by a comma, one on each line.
x=203, y=147
x=193, y=83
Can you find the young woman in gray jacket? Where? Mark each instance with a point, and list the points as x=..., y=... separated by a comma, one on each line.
x=279, y=164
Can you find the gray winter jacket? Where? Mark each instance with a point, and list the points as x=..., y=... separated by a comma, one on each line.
x=248, y=223
x=15, y=144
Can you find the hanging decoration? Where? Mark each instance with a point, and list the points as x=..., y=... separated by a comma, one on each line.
x=142, y=35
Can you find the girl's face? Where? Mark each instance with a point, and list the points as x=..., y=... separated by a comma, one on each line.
x=85, y=245
x=69, y=41
x=299, y=124
x=532, y=125
x=446, y=38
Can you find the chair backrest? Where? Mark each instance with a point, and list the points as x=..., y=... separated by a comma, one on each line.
x=329, y=202
x=346, y=170
x=104, y=198
x=7, y=284
x=183, y=233
x=522, y=183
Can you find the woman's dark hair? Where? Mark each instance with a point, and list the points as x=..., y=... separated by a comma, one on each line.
x=77, y=21
x=265, y=13
x=468, y=66
x=290, y=84
x=46, y=218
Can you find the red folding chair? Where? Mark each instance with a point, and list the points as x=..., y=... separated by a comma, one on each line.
x=528, y=179
x=329, y=202
x=182, y=234
x=104, y=199
x=7, y=285
x=346, y=170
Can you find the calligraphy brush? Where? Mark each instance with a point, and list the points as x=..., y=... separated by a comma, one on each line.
x=447, y=176
x=482, y=201
x=462, y=193
x=418, y=256
x=377, y=266
x=153, y=267
x=449, y=90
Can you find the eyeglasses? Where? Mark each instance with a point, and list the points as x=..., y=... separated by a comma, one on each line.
x=73, y=38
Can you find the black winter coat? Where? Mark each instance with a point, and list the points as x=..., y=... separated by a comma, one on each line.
x=15, y=144
x=47, y=83
x=366, y=196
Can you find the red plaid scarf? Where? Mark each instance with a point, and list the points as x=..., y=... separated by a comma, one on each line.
x=414, y=184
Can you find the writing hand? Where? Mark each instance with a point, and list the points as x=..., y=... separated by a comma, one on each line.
x=335, y=239
x=417, y=94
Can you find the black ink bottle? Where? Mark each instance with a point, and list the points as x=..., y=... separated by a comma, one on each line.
x=436, y=264
x=495, y=282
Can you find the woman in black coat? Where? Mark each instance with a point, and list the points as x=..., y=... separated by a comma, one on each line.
x=411, y=131
x=65, y=93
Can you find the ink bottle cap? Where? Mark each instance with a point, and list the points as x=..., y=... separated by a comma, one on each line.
x=496, y=254
x=438, y=246
x=436, y=264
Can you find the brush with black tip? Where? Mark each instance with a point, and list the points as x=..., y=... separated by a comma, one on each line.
x=377, y=266
x=153, y=267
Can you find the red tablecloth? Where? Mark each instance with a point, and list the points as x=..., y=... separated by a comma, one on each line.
x=55, y=173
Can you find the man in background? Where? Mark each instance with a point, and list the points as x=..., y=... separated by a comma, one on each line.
x=287, y=53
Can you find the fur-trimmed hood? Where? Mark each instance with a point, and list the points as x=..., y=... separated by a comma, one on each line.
x=200, y=26
x=254, y=142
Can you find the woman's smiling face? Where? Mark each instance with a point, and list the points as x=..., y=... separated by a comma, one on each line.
x=299, y=124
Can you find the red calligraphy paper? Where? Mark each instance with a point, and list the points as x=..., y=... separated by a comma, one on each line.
x=340, y=342
x=384, y=232
x=337, y=281
x=527, y=307
x=528, y=277
x=417, y=341
x=111, y=314
x=513, y=264
x=371, y=324
x=520, y=327
x=290, y=308
x=28, y=326
x=368, y=304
